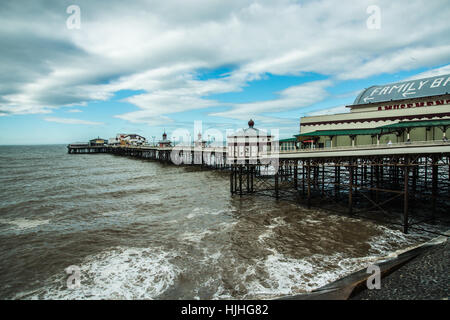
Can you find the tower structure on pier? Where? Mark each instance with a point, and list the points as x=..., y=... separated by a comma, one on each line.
x=164, y=143
x=248, y=144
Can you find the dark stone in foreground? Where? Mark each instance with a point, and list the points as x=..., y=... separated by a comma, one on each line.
x=420, y=273
x=426, y=277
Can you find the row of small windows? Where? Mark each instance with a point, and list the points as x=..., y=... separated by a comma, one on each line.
x=286, y=146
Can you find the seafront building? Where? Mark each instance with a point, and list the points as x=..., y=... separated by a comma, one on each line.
x=403, y=112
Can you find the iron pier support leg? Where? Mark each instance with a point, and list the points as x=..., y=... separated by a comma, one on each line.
x=303, y=178
x=434, y=190
x=295, y=176
x=248, y=177
x=309, y=183
x=371, y=180
x=414, y=187
x=323, y=179
x=406, y=196
x=339, y=180
x=276, y=186
x=252, y=173
x=231, y=180
x=235, y=177
x=335, y=181
x=350, y=191
x=316, y=176
x=240, y=180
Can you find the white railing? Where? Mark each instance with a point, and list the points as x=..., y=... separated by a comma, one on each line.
x=309, y=150
x=372, y=146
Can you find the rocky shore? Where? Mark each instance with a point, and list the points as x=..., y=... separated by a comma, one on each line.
x=426, y=277
x=419, y=273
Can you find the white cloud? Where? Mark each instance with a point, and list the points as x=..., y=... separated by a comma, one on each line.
x=333, y=110
x=445, y=70
x=407, y=59
x=74, y=110
x=292, y=97
x=159, y=47
x=72, y=121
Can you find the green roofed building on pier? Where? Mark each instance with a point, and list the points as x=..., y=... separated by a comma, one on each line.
x=403, y=112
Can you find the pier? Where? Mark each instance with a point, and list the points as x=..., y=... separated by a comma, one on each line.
x=215, y=158
x=388, y=159
x=85, y=148
x=375, y=183
x=405, y=184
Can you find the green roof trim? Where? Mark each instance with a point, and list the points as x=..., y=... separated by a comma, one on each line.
x=414, y=124
x=288, y=140
x=347, y=132
x=380, y=130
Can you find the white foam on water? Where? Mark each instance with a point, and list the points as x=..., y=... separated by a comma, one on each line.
x=276, y=222
x=192, y=215
x=194, y=236
x=217, y=212
x=23, y=224
x=116, y=213
x=381, y=245
x=222, y=293
x=288, y=276
x=121, y=273
x=205, y=211
x=197, y=211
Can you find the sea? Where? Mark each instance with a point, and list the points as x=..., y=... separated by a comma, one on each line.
x=139, y=229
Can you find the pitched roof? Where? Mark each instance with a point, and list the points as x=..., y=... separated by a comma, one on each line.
x=249, y=132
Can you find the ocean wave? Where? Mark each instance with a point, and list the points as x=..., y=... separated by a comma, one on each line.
x=119, y=273
x=23, y=224
x=284, y=275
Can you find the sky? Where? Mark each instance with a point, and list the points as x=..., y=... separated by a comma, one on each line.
x=74, y=70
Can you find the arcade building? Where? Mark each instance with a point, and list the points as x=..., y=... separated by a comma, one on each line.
x=403, y=112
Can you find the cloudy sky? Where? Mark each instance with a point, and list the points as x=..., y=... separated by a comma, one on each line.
x=145, y=66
